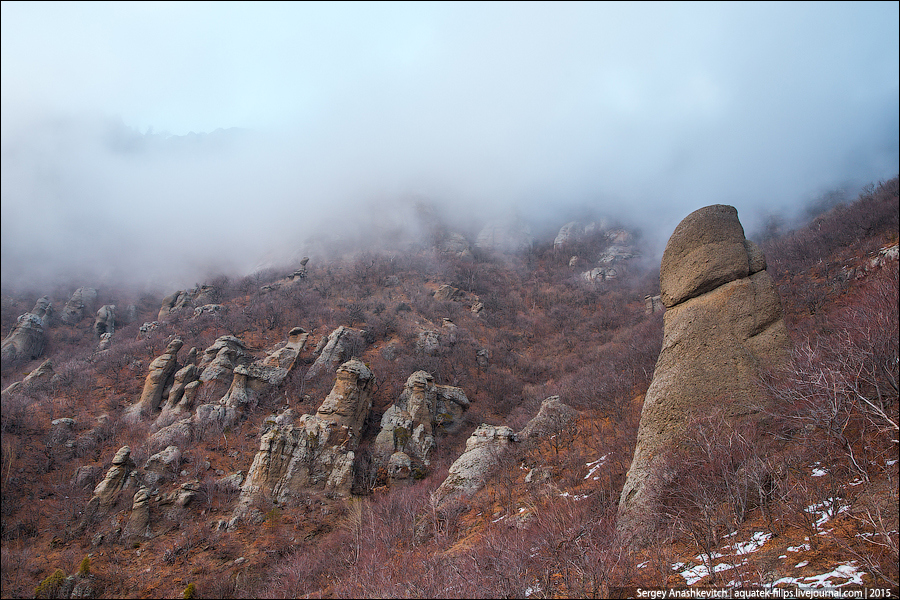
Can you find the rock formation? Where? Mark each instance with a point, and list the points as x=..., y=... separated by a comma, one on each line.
x=722, y=324
x=159, y=378
x=106, y=320
x=553, y=415
x=199, y=295
x=82, y=299
x=248, y=382
x=468, y=472
x=316, y=452
x=218, y=364
x=43, y=374
x=106, y=494
x=139, y=520
x=338, y=348
x=408, y=426
x=508, y=237
x=26, y=340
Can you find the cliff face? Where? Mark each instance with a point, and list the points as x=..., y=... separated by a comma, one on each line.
x=722, y=324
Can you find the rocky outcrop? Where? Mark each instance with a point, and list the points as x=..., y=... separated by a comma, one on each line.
x=409, y=425
x=138, y=524
x=446, y=293
x=26, y=340
x=467, y=474
x=199, y=295
x=339, y=347
x=506, y=237
x=553, y=416
x=218, y=364
x=82, y=299
x=248, y=383
x=42, y=375
x=316, y=452
x=159, y=378
x=120, y=476
x=105, y=321
x=722, y=324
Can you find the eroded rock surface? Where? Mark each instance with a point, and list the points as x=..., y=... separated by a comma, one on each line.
x=467, y=474
x=26, y=340
x=723, y=322
x=408, y=426
x=317, y=451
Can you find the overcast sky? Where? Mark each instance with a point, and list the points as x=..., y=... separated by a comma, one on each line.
x=347, y=111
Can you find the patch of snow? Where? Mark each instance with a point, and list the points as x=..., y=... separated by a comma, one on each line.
x=594, y=466
x=817, y=472
x=643, y=564
x=890, y=463
x=857, y=482
x=783, y=556
x=849, y=571
x=756, y=542
x=801, y=564
x=799, y=548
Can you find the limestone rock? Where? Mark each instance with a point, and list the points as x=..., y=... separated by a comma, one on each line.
x=339, y=347
x=505, y=237
x=408, y=426
x=722, y=324
x=316, y=452
x=217, y=366
x=252, y=381
x=106, y=320
x=553, y=415
x=456, y=244
x=568, y=234
x=448, y=292
x=159, y=378
x=26, y=340
x=468, y=472
x=43, y=374
x=162, y=466
x=82, y=299
x=139, y=519
x=107, y=491
x=705, y=251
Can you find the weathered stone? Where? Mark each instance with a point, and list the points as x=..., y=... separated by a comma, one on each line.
x=82, y=299
x=139, y=520
x=106, y=320
x=553, y=416
x=159, y=378
x=338, y=348
x=467, y=474
x=721, y=326
x=705, y=251
x=316, y=452
x=217, y=366
x=26, y=340
x=446, y=293
x=508, y=237
x=107, y=491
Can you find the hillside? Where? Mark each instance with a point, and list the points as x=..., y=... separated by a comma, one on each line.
x=807, y=498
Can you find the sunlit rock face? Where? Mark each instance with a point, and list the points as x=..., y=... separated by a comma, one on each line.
x=723, y=323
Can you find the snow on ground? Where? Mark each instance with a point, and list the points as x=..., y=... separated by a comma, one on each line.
x=595, y=466
x=696, y=573
x=848, y=571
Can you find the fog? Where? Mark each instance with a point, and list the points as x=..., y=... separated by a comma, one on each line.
x=156, y=144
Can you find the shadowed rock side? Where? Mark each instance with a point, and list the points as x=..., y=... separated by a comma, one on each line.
x=723, y=322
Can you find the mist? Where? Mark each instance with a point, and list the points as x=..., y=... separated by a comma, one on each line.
x=156, y=144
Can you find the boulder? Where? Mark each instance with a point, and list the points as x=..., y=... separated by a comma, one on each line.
x=26, y=340
x=467, y=474
x=106, y=320
x=43, y=374
x=339, y=347
x=82, y=299
x=447, y=293
x=723, y=323
x=159, y=378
